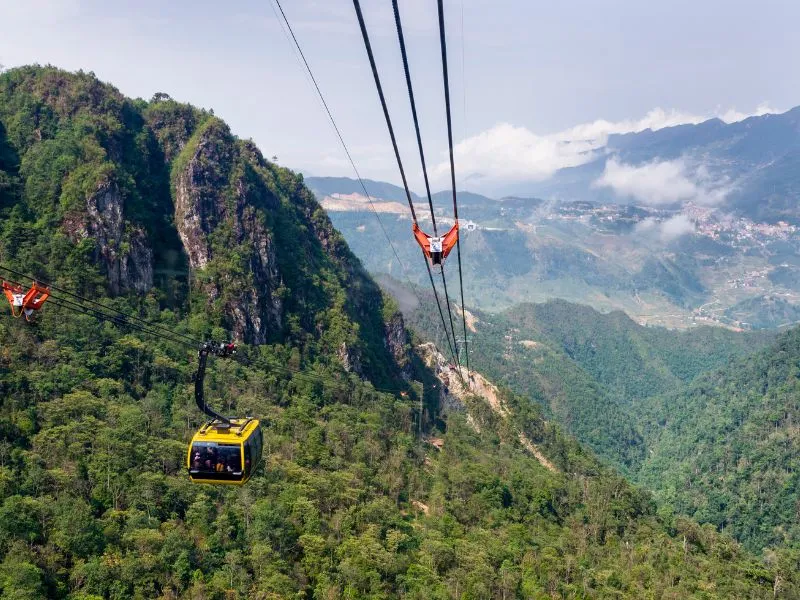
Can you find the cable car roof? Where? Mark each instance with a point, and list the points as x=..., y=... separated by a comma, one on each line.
x=239, y=430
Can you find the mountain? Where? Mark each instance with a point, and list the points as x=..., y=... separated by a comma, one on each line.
x=663, y=266
x=753, y=161
x=378, y=482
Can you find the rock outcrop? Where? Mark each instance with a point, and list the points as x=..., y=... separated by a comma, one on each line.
x=398, y=344
x=220, y=216
x=350, y=359
x=455, y=396
x=122, y=249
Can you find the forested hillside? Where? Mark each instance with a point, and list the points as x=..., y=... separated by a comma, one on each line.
x=723, y=449
x=727, y=449
x=157, y=209
x=590, y=370
x=632, y=362
x=696, y=416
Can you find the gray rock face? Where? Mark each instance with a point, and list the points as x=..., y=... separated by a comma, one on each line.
x=214, y=214
x=122, y=249
x=350, y=359
x=398, y=343
x=199, y=207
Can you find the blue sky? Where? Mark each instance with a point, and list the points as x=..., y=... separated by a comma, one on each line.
x=539, y=81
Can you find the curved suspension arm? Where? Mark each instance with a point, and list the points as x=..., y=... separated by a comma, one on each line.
x=199, y=377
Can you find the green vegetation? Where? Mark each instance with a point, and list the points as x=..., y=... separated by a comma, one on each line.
x=765, y=312
x=590, y=371
x=726, y=450
x=351, y=503
x=691, y=415
x=631, y=362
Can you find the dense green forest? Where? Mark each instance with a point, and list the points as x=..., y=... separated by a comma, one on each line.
x=632, y=362
x=156, y=209
x=726, y=450
x=588, y=370
x=693, y=415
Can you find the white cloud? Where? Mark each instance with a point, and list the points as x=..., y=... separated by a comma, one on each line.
x=668, y=230
x=660, y=183
x=646, y=225
x=510, y=153
x=676, y=227
x=653, y=183
x=732, y=115
x=658, y=118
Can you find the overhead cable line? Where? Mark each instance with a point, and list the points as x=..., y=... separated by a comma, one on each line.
x=100, y=316
x=386, y=116
x=439, y=306
x=116, y=319
x=401, y=39
x=344, y=145
x=399, y=27
x=379, y=87
x=194, y=341
x=443, y=40
x=296, y=374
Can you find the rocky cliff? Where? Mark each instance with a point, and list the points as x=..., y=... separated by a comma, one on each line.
x=218, y=210
x=121, y=249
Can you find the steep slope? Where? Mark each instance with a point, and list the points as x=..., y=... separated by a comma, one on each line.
x=94, y=420
x=727, y=449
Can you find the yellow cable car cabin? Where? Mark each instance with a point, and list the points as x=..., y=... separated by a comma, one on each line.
x=225, y=453
x=226, y=450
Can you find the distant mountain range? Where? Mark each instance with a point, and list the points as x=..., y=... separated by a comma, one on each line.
x=754, y=162
x=671, y=264
x=750, y=168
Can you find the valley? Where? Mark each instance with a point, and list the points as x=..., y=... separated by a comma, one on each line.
x=670, y=409
x=719, y=270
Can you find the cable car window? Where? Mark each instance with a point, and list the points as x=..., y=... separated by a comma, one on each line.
x=209, y=457
x=247, y=457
